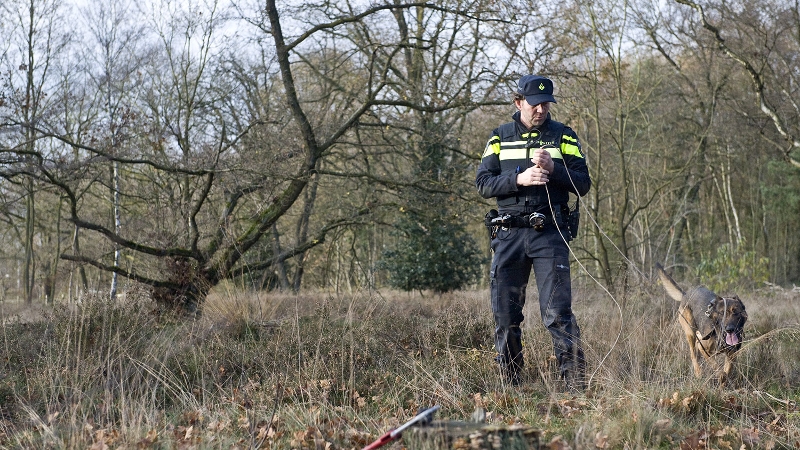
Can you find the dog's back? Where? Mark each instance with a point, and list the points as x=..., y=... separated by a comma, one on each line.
x=699, y=297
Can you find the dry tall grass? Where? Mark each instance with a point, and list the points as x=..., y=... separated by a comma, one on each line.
x=321, y=371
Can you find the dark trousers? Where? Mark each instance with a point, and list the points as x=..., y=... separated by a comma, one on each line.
x=516, y=251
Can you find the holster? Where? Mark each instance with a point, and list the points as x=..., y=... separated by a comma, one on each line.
x=488, y=221
x=573, y=221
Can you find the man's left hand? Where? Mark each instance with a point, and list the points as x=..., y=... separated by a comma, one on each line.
x=541, y=157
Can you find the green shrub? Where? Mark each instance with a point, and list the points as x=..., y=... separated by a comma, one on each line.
x=730, y=268
x=436, y=254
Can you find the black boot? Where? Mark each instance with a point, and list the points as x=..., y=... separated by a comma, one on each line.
x=572, y=368
x=574, y=381
x=574, y=376
x=509, y=343
x=511, y=370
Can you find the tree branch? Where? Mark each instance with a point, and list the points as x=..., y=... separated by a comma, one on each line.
x=117, y=239
x=758, y=83
x=375, y=9
x=119, y=271
x=318, y=239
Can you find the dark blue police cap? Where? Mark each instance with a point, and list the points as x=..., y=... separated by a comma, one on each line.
x=536, y=89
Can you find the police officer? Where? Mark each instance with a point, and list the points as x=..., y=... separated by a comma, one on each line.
x=530, y=166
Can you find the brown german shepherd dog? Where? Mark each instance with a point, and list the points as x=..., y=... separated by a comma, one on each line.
x=711, y=324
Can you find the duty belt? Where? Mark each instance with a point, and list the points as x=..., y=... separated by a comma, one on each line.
x=535, y=220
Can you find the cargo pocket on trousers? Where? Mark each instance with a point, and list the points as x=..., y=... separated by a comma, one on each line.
x=562, y=275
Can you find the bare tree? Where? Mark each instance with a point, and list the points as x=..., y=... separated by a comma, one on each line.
x=34, y=42
x=116, y=57
x=762, y=38
x=203, y=173
x=184, y=149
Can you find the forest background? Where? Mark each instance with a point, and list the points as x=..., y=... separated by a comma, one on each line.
x=177, y=145
x=287, y=168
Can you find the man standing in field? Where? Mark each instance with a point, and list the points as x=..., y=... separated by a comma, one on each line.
x=530, y=165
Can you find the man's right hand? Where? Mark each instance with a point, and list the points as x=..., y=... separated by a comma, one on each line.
x=533, y=176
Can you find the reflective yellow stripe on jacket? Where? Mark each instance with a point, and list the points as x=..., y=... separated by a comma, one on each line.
x=518, y=150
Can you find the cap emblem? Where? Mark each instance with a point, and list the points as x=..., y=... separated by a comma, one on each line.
x=541, y=86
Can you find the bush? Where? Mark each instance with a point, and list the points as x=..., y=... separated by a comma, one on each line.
x=731, y=268
x=436, y=255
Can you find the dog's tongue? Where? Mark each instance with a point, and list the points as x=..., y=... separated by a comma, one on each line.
x=731, y=338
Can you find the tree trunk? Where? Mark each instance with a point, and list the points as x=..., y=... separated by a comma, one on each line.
x=302, y=230
x=186, y=289
x=117, y=224
x=280, y=265
x=29, y=264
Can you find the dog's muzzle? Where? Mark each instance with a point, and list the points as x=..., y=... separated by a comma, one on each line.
x=733, y=338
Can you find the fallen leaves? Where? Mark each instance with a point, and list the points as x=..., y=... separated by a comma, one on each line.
x=310, y=438
x=601, y=440
x=148, y=441
x=683, y=403
x=572, y=406
x=727, y=438
x=558, y=443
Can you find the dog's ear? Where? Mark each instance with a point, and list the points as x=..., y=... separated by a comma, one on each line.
x=741, y=303
x=738, y=302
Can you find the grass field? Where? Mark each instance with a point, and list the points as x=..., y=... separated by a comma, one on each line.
x=323, y=371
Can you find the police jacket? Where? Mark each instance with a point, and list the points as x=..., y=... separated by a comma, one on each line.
x=509, y=152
